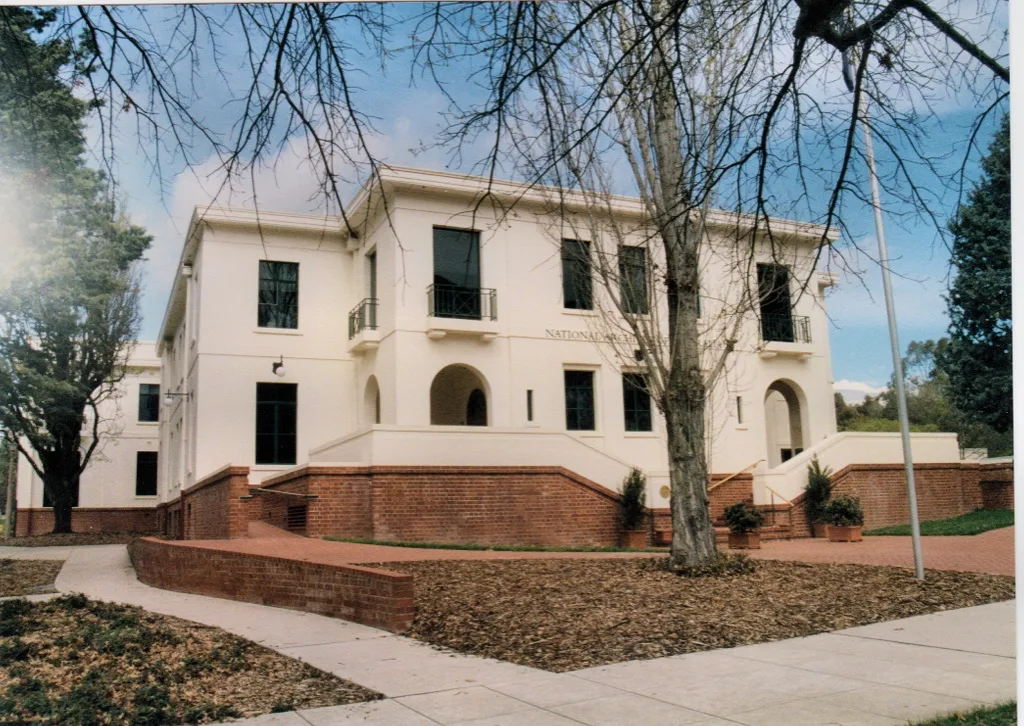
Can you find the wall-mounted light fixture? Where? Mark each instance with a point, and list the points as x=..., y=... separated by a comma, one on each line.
x=171, y=395
x=278, y=368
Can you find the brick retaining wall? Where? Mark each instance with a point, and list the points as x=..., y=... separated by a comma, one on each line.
x=89, y=519
x=214, y=508
x=378, y=598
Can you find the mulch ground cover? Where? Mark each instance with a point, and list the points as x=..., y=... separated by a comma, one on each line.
x=71, y=539
x=25, y=577
x=562, y=615
x=76, y=661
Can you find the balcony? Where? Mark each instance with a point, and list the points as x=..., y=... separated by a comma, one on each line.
x=786, y=335
x=462, y=310
x=362, y=326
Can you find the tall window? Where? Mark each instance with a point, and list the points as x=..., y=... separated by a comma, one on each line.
x=279, y=295
x=633, y=279
x=776, y=307
x=149, y=402
x=579, y=400
x=576, y=275
x=371, y=273
x=145, y=473
x=636, y=402
x=456, y=273
x=276, y=416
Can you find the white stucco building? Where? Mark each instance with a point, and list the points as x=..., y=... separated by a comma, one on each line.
x=455, y=322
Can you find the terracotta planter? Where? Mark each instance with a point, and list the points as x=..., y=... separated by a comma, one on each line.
x=745, y=541
x=844, y=534
x=634, y=539
x=819, y=529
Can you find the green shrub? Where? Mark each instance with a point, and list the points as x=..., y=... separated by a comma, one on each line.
x=817, y=491
x=743, y=518
x=14, y=650
x=844, y=511
x=632, y=503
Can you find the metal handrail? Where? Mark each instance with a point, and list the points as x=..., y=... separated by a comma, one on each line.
x=786, y=328
x=363, y=317
x=712, y=487
x=465, y=303
x=791, y=505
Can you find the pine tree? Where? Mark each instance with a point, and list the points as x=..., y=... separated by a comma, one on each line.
x=978, y=359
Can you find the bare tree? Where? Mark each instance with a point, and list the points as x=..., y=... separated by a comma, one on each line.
x=738, y=104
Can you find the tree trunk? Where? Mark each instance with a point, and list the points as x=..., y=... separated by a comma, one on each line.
x=62, y=516
x=62, y=490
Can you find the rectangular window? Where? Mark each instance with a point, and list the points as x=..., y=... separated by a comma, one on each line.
x=145, y=473
x=149, y=402
x=276, y=418
x=529, y=405
x=636, y=402
x=371, y=274
x=579, y=400
x=279, y=295
x=577, y=279
x=776, y=306
x=633, y=279
x=456, y=290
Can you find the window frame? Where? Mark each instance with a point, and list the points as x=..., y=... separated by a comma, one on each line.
x=274, y=314
x=575, y=410
x=151, y=408
x=278, y=436
x=628, y=297
x=138, y=468
x=573, y=264
x=630, y=394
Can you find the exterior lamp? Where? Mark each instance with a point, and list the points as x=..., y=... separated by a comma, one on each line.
x=278, y=368
x=171, y=395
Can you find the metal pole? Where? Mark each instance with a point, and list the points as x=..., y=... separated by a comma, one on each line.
x=897, y=360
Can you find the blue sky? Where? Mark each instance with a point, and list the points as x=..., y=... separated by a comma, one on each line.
x=408, y=117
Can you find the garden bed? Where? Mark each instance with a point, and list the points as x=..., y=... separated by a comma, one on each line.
x=70, y=539
x=92, y=662
x=27, y=577
x=562, y=615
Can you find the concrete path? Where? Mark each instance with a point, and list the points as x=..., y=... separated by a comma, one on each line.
x=990, y=552
x=879, y=674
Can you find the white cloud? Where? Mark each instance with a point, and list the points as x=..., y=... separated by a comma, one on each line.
x=855, y=391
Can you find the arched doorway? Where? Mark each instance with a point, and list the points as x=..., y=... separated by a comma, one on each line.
x=458, y=397
x=371, y=402
x=783, y=422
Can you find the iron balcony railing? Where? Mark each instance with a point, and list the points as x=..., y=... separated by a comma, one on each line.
x=363, y=317
x=466, y=303
x=786, y=328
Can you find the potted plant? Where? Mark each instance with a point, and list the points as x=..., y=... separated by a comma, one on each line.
x=633, y=510
x=845, y=518
x=744, y=520
x=816, y=495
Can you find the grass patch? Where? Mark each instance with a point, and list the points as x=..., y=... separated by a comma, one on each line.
x=27, y=577
x=489, y=548
x=565, y=614
x=71, y=539
x=76, y=661
x=1004, y=715
x=976, y=522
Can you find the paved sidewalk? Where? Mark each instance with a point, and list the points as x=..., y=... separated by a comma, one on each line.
x=990, y=552
x=878, y=674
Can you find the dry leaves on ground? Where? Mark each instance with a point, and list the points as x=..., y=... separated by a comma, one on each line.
x=563, y=615
x=25, y=577
x=92, y=662
x=70, y=539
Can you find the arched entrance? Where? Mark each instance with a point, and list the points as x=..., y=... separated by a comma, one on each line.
x=783, y=422
x=371, y=402
x=458, y=397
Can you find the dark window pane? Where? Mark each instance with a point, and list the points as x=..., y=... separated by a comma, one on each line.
x=279, y=295
x=633, y=279
x=776, y=307
x=576, y=275
x=145, y=473
x=149, y=402
x=456, y=274
x=276, y=423
x=636, y=402
x=579, y=400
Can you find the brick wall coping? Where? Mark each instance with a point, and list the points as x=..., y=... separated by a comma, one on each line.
x=341, y=470
x=216, y=477
x=228, y=546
